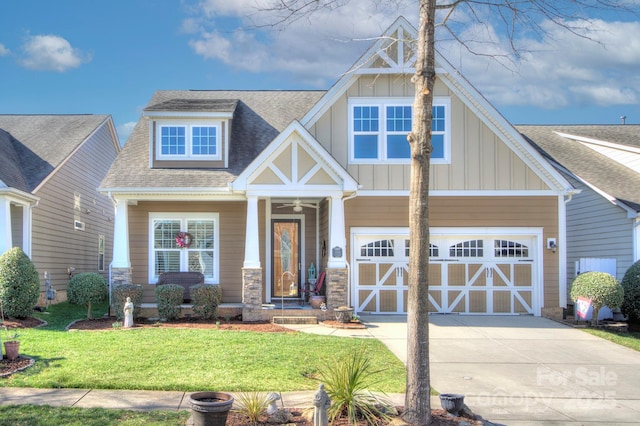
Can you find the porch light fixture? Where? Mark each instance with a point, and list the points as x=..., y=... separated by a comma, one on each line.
x=551, y=244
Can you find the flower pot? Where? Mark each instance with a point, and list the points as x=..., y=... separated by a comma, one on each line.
x=210, y=408
x=12, y=349
x=316, y=301
x=343, y=315
x=452, y=403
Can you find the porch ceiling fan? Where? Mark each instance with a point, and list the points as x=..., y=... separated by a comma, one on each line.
x=298, y=205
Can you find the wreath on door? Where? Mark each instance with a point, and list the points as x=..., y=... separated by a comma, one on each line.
x=183, y=239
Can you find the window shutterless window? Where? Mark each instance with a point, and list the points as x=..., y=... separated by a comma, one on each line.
x=188, y=142
x=379, y=127
x=101, y=252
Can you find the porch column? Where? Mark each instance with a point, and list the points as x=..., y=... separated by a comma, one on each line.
x=6, y=241
x=251, y=239
x=337, y=238
x=26, y=229
x=121, y=236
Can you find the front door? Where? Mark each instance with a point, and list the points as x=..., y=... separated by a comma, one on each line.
x=285, y=281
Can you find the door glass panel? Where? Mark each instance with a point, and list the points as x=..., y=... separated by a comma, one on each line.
x=286, y=258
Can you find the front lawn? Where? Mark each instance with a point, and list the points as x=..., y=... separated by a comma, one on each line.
x=185, y=359
x=630, y=340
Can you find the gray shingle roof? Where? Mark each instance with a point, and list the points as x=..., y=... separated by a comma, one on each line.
x=598, y=170
x=259, y=117
x=33, y=146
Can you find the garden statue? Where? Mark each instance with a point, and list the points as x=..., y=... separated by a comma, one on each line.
x=321, y=403
x=128, y=313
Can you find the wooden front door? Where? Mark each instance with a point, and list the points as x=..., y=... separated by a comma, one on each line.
x=285, y=280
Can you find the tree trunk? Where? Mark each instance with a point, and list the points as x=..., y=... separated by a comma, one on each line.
x=417, y=401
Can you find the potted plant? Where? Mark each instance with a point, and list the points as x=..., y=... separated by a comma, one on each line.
x=12, y=346
x=210, y=408
x=343, y=314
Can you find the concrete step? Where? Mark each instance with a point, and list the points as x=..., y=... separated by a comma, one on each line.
x=294, y=320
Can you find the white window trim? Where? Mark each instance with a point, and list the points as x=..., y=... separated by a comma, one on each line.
x=184, y=217
x=188, y=140
x=383, y=103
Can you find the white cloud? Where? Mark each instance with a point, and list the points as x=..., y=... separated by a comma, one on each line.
x=3, y=50
x=124, y=130
x=51, y=53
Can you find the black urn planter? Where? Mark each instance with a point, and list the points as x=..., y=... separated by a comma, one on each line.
x=210, y=408
x=452, y=403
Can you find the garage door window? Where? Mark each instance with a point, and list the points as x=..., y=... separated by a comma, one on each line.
x=470, y=248
x=504, y=248
x=380, y=248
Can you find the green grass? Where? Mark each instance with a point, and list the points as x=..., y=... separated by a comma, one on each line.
x=44, y=415
x=185, y=359
x=629, y=340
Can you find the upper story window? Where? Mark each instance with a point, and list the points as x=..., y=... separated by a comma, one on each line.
x=378, y=129
x=188, y=142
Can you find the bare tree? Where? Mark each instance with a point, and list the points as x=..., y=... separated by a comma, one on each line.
x=516, y=16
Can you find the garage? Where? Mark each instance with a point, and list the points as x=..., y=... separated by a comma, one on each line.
x=472, y=270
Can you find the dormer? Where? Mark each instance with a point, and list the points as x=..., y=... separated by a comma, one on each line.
x=190, y=133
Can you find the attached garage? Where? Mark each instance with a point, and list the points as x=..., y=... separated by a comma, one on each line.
x=471, y=271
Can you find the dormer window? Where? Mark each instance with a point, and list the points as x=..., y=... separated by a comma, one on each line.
x=188, y=142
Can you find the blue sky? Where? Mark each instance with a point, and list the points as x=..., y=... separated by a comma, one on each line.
x=80, y=56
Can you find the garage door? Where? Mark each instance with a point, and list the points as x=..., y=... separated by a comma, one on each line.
x=489, y=271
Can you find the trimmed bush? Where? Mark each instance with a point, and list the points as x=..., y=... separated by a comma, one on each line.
x=169, y=298
x=86, y=289
x=19, y=284
x=603, y=289
x=205, y=299
x=631, y=285
x=119, y=297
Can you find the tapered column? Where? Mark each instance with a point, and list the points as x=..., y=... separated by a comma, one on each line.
x=252, y=241
x=337, y=238
x=121, y=257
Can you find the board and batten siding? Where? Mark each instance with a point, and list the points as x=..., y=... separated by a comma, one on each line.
x=471, y=212
x=56, y=245
x=596, y=228
x=479, y=159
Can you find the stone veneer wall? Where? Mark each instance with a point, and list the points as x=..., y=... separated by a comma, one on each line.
x=252, y=294
x=336, y=285
x=121, y=276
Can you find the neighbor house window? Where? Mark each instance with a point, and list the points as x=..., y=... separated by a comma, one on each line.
x=200, y=255
x=188, y=142
x=100, y=252
x=379, y=129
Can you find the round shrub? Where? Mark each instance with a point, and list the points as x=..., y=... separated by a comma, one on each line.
x=87, y=289
x=631, y=285
x=119, y=297
x=169, y=298
x=603, y=289
x=205, y=299
x=19, y=283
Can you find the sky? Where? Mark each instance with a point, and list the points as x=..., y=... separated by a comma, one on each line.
x=108, y=57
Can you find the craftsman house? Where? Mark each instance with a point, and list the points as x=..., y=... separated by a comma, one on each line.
x=253, y=187
x=49, y=204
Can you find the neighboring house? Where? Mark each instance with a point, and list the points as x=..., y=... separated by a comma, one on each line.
x=49, y=203
x=603, y=222
x=268, y=182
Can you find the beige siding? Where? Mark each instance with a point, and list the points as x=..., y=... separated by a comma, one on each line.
x=55, y=244
x=539, y=212
x=479, y=159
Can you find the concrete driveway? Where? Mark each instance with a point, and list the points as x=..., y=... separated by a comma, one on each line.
x=521, y=370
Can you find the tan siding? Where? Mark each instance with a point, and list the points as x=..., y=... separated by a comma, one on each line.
x=55, y=244
x=539, y=212
x=232, y=237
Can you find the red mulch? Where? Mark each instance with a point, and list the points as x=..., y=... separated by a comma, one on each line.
x=439, y=416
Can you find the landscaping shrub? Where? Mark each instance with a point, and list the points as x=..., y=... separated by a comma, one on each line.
x=169, y=298
x=603, y=289
x=86, y=289
x=631, y=285
x=205, y=299
x=251, y=405
x=19, y=284
x=119, y=297
x=346, y=381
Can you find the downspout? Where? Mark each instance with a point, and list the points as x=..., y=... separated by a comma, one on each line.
x=562, y=249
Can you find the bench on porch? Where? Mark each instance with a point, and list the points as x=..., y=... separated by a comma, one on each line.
x=184, y=279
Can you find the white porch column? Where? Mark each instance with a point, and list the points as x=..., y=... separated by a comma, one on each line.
x=26, y=229
x=121, y=257
x=337, y=236
x=6, y=241
x=252, y=241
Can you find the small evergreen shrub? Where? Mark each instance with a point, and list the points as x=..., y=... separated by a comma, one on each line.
x=251, y=405
x=87, y=289
x=169, y=298
x=119, y=297
x=205, y=299
x=603, y=289
x=19, y=283
x=631, y=285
